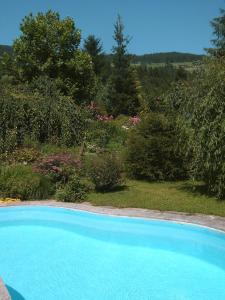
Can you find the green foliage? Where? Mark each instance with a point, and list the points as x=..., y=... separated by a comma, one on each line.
x=166, y=57
x=156, y=81
x=47, y=149
x=8, y=140
x=93, y=47
x=123, y=88
x=24, y=155
x=100, y=98
x=7, y=68
x=151, y=150
x=49, y=46
x=218, y=25
x=60, y=167
x=74, y=191
x=100, y=134
x=200, y=108
x=46, y=80
x=105, y=172
x=19, y=181
x=43, y=116
x=181, y=196
x=5, y=49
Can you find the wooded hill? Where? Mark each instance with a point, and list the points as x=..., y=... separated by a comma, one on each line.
x=5, y=48
x=166, y=57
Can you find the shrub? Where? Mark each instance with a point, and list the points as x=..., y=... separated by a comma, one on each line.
x=8, y=200
x=24, y=155
x=151, y=150
x=8, y=141
x=200, y=109
x=58, y=166
x=43, y=117
x=48, y=149
x=99, y=133
x=74, y=191
x=19, y=181
x=106, y=172
x=102, y=134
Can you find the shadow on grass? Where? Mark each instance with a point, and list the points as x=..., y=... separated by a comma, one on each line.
x=116, y=189
x=14, y=294
x=195, y=189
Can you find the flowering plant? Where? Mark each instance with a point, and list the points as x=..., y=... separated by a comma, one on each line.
x=134, y=120
x=58, y=166
x=104, y=118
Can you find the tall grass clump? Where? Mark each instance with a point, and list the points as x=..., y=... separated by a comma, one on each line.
x=19, y=181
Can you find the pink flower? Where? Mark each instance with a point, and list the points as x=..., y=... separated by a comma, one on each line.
x=92, y=106
x=135, y=120
x=104, y=118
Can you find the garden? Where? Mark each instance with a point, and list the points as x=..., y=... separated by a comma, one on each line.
x=77, y=125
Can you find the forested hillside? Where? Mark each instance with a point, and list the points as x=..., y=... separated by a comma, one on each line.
x=5, y=48
x=164, y=57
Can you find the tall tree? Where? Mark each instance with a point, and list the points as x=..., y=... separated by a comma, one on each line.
x=7, y=68
x=123, y=91
x=49, y=46
x=200, y=110
x=218, y=25
x=93, y=46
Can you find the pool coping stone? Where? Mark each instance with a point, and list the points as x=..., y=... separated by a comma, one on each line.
x=211, y=221
x=4, y=294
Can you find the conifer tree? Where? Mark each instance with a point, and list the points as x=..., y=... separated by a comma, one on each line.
x=93, y=47
x=218, y=25
x=123, y=90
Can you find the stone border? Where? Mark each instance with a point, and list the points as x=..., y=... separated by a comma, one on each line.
x=4, y=294
x=213, y=222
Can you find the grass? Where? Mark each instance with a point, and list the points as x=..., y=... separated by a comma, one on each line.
x=185, y=196
x=19, y=181
x=188, y=66
x=48, y=149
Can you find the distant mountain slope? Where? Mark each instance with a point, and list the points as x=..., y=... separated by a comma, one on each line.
x=162, y=58
x=166, y=57
x=5, y=48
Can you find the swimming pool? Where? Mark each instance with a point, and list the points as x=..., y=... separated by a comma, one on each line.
x=51, y=253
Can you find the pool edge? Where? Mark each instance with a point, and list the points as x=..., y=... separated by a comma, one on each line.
x=4, y=294
x=209, y=221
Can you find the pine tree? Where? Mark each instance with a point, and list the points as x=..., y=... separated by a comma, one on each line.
x=218, y=25
x=123, y=90
x=93, y=47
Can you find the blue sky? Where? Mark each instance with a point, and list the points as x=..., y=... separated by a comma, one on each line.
x=154, y=25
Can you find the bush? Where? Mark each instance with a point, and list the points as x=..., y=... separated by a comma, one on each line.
x=151, y=150
x=43, y=117
x=106, y=172
x=48, y=149
x=8, y=142
x=73, y=191
x=24, y=155
x=104, y=134
x=19, y=181
x=58, y=166
x=200, y=109
x=100, y=133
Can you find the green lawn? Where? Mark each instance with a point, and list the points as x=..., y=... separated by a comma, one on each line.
x=188, y=66
x=184, y=196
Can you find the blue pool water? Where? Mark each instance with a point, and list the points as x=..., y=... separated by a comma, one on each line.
x=59, y=254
